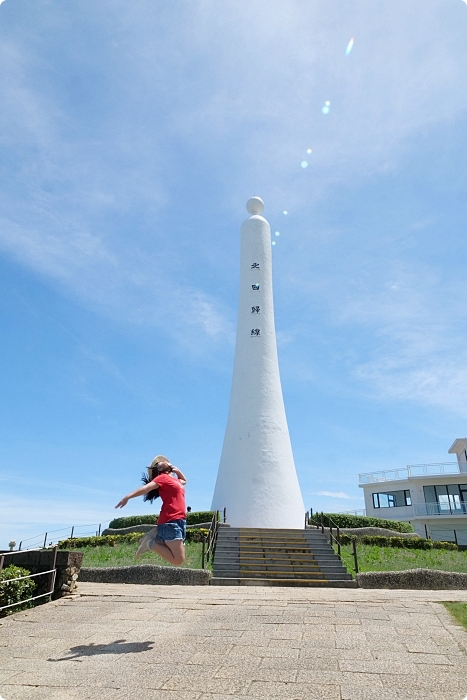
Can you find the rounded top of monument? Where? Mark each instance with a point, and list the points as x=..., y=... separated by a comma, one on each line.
x=255, y=205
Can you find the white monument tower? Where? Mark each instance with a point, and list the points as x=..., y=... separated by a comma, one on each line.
x=257, y=481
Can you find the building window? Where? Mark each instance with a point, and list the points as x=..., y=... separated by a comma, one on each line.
x=446, y=498
x=392, y=499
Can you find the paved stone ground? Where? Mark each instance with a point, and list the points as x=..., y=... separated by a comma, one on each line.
x=131, y=642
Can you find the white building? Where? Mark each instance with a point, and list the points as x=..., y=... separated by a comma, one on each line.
x=433, y=497
x=257, y=482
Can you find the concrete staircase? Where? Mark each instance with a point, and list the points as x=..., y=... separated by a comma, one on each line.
x=269, y=557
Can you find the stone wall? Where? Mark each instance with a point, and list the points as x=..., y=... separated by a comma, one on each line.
x=425, y=579
x=378, y=531
x=362, y=531
x=147, y=574
x=68, y=567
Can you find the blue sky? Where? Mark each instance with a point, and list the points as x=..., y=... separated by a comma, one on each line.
x=131, y=136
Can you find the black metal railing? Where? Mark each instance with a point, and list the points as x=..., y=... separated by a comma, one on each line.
x=51, y=572
x=325, y=522
x=209, y=541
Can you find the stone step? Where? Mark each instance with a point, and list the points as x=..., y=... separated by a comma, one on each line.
x=298, y=569
x=302, y=583
x=267, y=557
x=331, y=563
x=277, y=555
x=287, y=573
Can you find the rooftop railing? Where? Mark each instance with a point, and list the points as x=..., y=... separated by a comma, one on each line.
x=411, y=471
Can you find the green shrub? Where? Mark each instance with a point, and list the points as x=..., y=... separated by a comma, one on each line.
x=347, y=520
x=196, y=534
x=398, y=542
x=201, y=516
x=445, y=545
x=15, y=591
x=101, y=541
x=193, y=535
x=131, y=520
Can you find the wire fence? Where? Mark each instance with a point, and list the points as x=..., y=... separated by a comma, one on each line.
x=51, y=537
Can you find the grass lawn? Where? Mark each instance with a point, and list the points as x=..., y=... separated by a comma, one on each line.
x=373, y=558
x=458, y=611
x=124, y=555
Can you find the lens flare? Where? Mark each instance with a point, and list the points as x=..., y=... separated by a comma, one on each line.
x=326, y=107
x=285, y=213
x=273, y=243
x=304, y=164
x=351, y=43
x=308, y=150
x=278, y=233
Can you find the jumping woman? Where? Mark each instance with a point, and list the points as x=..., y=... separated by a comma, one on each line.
x=168, y=538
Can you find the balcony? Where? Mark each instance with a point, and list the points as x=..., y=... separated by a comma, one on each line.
x=410, y=472
x=453, y=507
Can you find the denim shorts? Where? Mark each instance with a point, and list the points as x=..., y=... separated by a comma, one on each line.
x=173, y=530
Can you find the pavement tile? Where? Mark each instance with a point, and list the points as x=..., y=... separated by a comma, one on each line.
x=328, y=654
x=216, y=696
x=48, y=678
x=430, y=647
x=392, y=667
x=281, y=643
x=297, y=691
x=207, y=684
x=209, y=659
x=257, y=673
x=308, y=663
x=48, y=693
x=371, y=680
x=6, y=674
x=432, y=659
x=440, y=682
x=135, y=694
x=271, y=652
x=126, y=678
x=358, y=693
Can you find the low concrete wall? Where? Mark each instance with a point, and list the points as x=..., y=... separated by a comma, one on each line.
x=379, y=531
x=425, y=579
x=126, y=530
x=147, y=574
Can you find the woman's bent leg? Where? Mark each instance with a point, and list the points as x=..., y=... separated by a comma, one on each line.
x=172, y=551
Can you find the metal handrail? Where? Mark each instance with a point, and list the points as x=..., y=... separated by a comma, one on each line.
x=52, y=576
x=337, y=539
x=209, y=542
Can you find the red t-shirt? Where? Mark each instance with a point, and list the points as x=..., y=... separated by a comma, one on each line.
x=172, y=494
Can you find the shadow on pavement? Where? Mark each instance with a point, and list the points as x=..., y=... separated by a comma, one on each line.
x=120, y=646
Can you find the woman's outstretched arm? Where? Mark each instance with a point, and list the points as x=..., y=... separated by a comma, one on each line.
x=139, y=492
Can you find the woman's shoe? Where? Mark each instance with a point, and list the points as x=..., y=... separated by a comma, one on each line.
x=146, y=543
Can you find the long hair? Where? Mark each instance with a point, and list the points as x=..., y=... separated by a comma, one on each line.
x=152, y=473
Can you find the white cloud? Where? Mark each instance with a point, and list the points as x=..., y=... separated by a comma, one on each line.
x=337, y=494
